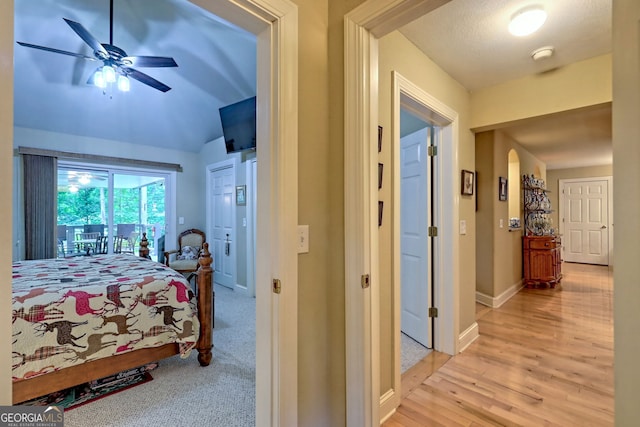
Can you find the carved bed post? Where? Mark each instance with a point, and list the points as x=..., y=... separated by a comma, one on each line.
x=143, y=252
x=205, y=306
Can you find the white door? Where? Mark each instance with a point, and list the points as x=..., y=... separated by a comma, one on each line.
x=415, y=218
x=585, y=220
x=223, y=182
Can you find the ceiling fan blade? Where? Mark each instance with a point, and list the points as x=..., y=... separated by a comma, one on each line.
x=146, y=79
x=51, y=49
x=149, y=61
x=88, y=38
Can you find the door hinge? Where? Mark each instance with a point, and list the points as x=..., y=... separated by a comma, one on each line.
x=433, y=311
x=277, y=286
x=433, y=231
x=364, y=281
x=432, y=150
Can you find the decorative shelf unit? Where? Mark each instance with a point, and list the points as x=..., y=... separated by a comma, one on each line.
x=537, y=207
x=541, y=247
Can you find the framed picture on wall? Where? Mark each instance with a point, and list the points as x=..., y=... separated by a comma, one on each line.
x=467, y=183
x=241, y=198
x=502, y=188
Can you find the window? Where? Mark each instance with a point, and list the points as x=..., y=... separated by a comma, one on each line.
x=116, y=203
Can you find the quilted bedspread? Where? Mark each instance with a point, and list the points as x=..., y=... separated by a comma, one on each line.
x=70, y=311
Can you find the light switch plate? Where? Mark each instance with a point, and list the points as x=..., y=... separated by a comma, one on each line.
x=303, y=239
x=463, y=227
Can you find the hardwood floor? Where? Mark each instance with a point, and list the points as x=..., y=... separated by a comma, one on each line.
x=545, y=358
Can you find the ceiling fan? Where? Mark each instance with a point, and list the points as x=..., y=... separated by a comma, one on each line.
x=116, y=66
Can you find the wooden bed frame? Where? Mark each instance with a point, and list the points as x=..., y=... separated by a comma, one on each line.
x=68, y=377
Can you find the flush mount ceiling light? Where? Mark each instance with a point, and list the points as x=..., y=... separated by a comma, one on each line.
x=527, y=21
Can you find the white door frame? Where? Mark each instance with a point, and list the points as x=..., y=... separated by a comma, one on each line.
x=275, y=23
x=561, y=213
x=362, y=27
x=412, y=98
x=210, y=170
x=252, y=185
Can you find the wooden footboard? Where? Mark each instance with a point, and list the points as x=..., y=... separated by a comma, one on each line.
x=68, y=377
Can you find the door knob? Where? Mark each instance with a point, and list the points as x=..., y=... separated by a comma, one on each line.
x=603, y=227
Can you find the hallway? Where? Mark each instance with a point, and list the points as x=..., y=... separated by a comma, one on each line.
x=544, y=358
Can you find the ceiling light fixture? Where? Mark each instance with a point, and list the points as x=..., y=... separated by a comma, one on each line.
x=123, y=83
x=107, y=75
x=527, y=21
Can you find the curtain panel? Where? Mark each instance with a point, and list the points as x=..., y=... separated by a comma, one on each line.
x=40, y=210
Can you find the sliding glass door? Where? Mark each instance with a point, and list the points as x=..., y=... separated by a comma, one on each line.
x=107, y=209
x=139, y=207
x=83, y=196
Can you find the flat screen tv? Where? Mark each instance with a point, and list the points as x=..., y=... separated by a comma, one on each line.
x=239, y=125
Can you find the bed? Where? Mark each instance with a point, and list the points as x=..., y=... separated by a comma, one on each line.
x=83, y=318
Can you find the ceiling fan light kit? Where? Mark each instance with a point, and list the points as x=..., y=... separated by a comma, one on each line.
x=117, y=66
x=527, y=21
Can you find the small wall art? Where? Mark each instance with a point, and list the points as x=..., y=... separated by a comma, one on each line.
x=502, y=188
x=467, y=183
x=241, y=198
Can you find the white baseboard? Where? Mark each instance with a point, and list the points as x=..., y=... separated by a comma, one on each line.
x=495, y=302
x=241, y=290
x=468, y=336
x=389, y=402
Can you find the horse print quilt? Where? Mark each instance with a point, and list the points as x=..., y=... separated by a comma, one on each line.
x=70, y=311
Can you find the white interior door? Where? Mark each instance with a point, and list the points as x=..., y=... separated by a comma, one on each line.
x=414, y=241
x=585, y=220
x=223, y=181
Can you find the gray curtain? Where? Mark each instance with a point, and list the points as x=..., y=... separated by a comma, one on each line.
x=40, y=206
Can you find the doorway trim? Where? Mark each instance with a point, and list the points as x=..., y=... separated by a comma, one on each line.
x=409, y=96
x=275, y=23
x=362, y=28
x=252, y=185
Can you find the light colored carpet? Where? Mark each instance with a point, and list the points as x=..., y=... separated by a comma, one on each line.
x=184, y=394
x=411, y=352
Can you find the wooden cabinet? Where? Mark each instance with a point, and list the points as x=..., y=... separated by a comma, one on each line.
x=542, y=260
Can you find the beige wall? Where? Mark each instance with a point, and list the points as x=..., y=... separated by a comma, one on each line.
x=577, y=85
x=484, y=215
x=321, y=346
x=397, y=53
x=6, y=165
x=626, y=202
x=498, y=250
x=554, y=175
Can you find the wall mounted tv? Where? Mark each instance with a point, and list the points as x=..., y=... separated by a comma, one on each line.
x=239, y=125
